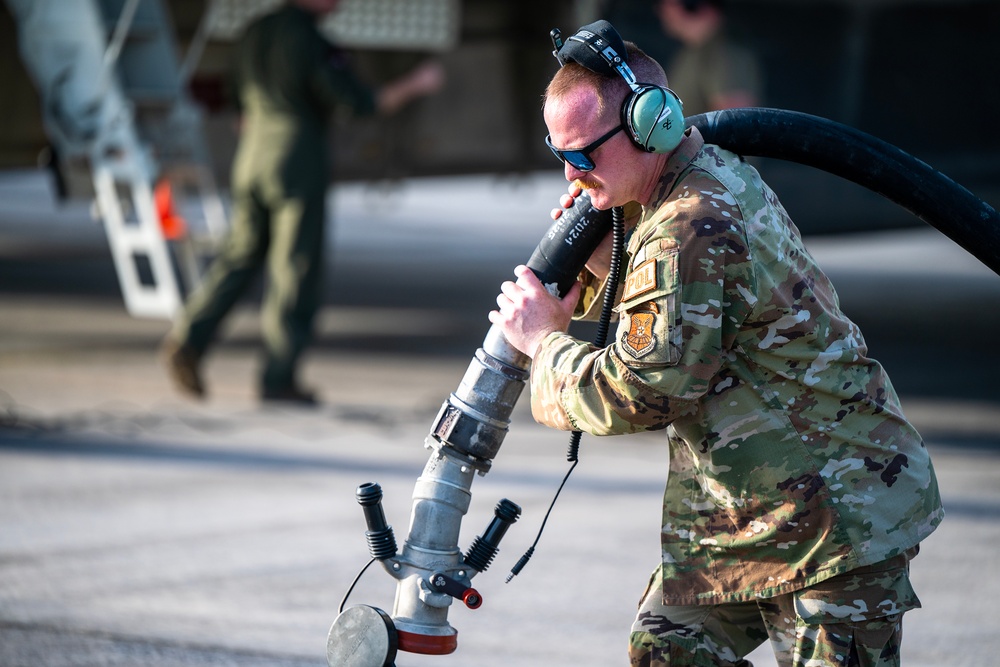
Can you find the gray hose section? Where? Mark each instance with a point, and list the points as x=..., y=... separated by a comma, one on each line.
x=863, y=159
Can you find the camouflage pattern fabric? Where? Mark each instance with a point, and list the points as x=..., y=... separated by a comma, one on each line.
x=852, y=620
x=790, y=458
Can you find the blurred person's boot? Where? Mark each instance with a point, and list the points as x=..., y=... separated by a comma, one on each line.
x=183, y=367
x=289, y=394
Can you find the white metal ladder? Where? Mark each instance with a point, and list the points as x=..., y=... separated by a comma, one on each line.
x=113, y=94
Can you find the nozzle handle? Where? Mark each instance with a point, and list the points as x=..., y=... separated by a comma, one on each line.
x=369, y=496
x=381, y=540
x=485, y=547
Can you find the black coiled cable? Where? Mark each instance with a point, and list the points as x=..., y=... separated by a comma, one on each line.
x=604, y=324
x=600, y=340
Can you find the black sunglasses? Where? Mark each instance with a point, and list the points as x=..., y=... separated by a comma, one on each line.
x=579, y=158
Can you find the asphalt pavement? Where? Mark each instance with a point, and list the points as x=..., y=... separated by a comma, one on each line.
x=141, y=528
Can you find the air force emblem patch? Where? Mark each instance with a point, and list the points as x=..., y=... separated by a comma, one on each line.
x=640, y=340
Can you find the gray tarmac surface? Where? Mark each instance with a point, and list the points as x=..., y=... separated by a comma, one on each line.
x=139, y=528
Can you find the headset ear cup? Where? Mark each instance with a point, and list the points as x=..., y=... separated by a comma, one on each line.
x=654, y=117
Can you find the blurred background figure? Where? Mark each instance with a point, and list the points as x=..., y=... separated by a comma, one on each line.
x=288, y=79
x=709, y=72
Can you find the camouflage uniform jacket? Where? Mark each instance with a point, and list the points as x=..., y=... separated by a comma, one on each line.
x=790, y=458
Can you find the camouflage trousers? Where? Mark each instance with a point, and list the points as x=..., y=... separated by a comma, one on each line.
x=851, y=620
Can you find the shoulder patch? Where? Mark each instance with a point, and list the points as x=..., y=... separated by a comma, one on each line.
x=640, y=280
x=640, y=340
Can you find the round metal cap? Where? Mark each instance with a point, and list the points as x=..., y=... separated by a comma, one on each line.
x=362, y=636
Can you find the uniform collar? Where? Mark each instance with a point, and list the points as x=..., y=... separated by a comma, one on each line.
x=691, y=144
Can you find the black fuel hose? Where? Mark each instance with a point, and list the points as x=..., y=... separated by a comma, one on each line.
x=863, y=159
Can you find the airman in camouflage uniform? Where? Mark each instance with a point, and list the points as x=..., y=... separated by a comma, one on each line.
x=797, y=490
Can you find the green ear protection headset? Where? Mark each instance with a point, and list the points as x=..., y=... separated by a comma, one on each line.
x=653, y=116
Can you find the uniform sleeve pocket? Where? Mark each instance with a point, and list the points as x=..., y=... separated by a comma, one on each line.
x=649, y=324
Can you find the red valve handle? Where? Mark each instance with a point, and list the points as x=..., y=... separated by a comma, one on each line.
x=472, y=598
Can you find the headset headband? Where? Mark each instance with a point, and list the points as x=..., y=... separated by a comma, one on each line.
x=598, y=47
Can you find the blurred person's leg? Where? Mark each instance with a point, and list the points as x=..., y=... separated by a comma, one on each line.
x=228, y=278
x=294, y=287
